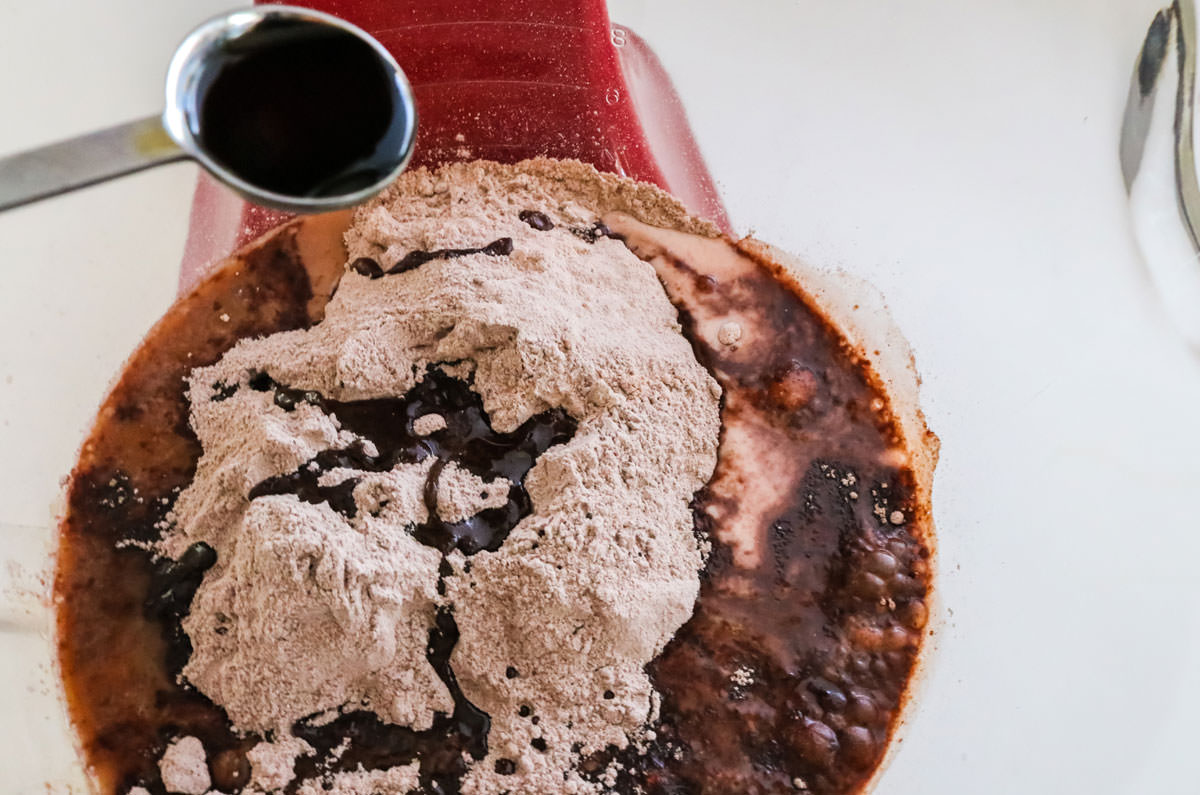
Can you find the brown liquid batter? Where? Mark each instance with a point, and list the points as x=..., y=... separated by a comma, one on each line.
x=790, y=673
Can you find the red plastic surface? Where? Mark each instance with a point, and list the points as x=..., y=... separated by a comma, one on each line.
x=507, y=80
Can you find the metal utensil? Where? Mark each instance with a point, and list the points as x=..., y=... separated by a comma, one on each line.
x=1158, y=163
x=126, y=148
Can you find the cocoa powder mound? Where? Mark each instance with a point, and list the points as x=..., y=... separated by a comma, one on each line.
x=309, y=610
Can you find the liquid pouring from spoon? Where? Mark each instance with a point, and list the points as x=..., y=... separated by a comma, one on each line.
x=293, y=109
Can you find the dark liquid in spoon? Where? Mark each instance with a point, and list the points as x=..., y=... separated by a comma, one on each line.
x=303, y=109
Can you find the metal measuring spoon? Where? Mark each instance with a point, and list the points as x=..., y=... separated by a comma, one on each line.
x=292, y=108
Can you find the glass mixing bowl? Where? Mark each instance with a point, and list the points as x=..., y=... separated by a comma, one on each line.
x=960, y=157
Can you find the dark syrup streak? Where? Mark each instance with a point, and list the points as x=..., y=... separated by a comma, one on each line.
x=468, y=440
x=366, y=266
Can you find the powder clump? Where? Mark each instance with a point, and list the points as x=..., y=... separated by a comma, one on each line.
x=428, y=423
x=184, y=767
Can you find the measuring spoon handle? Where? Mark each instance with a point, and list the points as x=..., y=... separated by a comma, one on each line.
x=78, y=162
